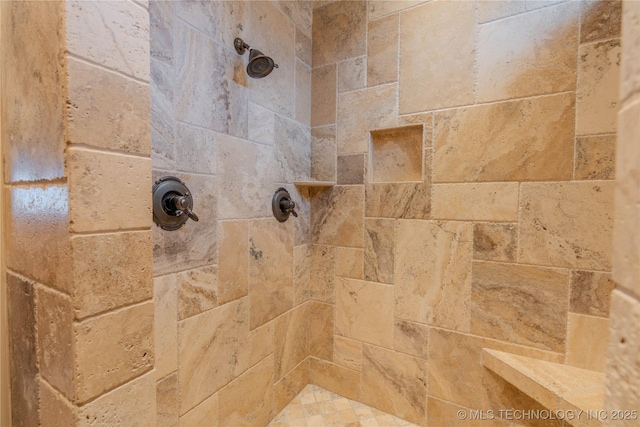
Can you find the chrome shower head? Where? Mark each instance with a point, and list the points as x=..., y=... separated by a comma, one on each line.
x=259, y=65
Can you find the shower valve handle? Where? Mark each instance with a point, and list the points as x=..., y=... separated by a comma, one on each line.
x=288, y=205
x=181, y=203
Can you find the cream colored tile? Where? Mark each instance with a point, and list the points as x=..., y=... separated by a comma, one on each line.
x=344, y=381
x=352, y=74
x=196, y=149
x=478, y=202
x=520, y=304
x=288, y=388
x=494, y=242
x=301, y=274
x=206, y=413
x=261, y=124
x=220, y=20
x=432, y=271
x=529, y=54
x=382, y=50
x=566, y=224
x=630, y=73
x=379, y=249
x=349, y=262
x=292, y=150
x=303, y=47
x=197, y=291
x=600, y=20
x=54, y=410
x=262, y=340
x=591, y=292
x=364, y=311
x=347, y=352
x=595, y=157
x=597, y=90
x=411, y=338
x=587, y=342
x=340, y=227
x=430, y=78
x=351, y=169
x=323, y=153
x=398, y=200
x=386, y=7
x=321, y=329
x=233, y=260
x=303, y=93
x=339, y=30
x=291, y=340
x=165, y=324
x=322, y=276
x=492, y=10
x=323, y=94
x=167, y=401
x=530, y=139
x=397, y=154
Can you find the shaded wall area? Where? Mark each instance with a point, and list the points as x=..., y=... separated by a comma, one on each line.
x=232, y=314
x=500, y=235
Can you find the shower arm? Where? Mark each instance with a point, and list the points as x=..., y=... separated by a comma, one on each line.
x=240, y=45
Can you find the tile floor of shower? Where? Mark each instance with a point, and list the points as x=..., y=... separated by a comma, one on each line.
x=317, y=407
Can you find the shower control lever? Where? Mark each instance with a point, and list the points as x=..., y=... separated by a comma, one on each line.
x=282, y=205
x=181, y=204
x=172, y=203
x=288, y=206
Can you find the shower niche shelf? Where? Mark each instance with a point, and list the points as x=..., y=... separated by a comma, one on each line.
x=313, y=183
x=396, y=154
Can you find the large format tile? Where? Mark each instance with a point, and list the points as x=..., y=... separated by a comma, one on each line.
x=339, y=30
x=591, y=292
x=494, y=242
x=530, y=139
x=587, y=342
x=197, y=290
x=221, y=21
x=528, y=54
x=292, y=150
x=595, y=157
x=600, y=20
x=520, y=304
x=382, y=50
x=233, y=260
x=477, y=202
x=347, y=352
x=430, y=77
x=337, y=216
x=567, y=224
x=411, y=338
x=323, y=94
x=335, y=378
x=379, y=249
x=352, y=74
x=323, y=153
x=398, y=200
x=433, y=273
x=291, y=340
x=167, y=401
x=196, y=149
x=321, y=330
x=322, y=273
x=165, y=325
x=206, y=413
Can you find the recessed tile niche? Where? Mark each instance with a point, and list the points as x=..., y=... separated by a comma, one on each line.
x=396, y=154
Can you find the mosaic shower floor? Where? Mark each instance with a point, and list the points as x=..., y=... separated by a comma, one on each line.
x=317, y=407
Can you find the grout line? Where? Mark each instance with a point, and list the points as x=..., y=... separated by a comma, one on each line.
x=107, y=69
x=113, y=389
x=525, y=12
x=114, y=310
x=95, y=233
x=42, y=184
x=575, y=105
x=592, y=42
x=104, y=150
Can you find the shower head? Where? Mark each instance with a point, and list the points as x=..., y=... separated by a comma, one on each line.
x=259, y=65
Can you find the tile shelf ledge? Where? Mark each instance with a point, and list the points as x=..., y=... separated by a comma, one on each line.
x=555, y=386
x=312, y=183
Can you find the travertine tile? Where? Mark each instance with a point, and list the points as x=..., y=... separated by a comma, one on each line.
x=292, y=150
x=595, y=157
x=520, y=304
x=349, y=262
x=600, y=19
x=135, y=400
x=213, y=349
x=300, y=13
x=197, y=290
x=347, y=352
x=96, y=179
x=335, y=378
x=206, y=413
x=291, y=340
x=343, y=226
x=55, y=348
x=270, y=269
x=433, y=273
x=530, y=139
x=382, y=50
x=33, y=91
x=165, y=324
x=351, y=169
x=339, y=30
x=233, y=260
x=411, y=338
x=494, y=242
x=37, y=242
x=91, y=31
x=352, y=74
x=105, y=274
x=587, y=342
x=394, y=383
x=321, y=330
x=590, y=293
x=364, y=311
x=196, y=149
x=323, y=153
x=397, y=154
x=107, y=110
x=528, y=54
x=424, y=85
x=597, y=90
x=262, y=340
x=161, y=22
x=478, y=202
x=303, y=93
x=630, y=70
x=23, y=354
x=323, y=94
x=440, y=412
x=301, y=274
x=303, y=47
x=288, y=387
x=261, y=124
x=322, y=273
x=54, y=409
x=382, y=8
x=398, y=200
x=163, y=116
x=566, y=224
x=361, y=111
x=167, y=401
x=379, y=249
x=492, y=10
x=248, y=400
x=112, y=349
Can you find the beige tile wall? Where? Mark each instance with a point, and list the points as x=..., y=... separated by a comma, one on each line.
x=505, y=240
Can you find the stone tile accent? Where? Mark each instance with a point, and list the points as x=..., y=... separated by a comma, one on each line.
x=595, y=157
x=411, y=338
x=339, y=32
x=303, y=95
x=494, y=242
x=396, y=154
x=351, y=169
x=379, y=250
x=398, y=200
x=382, y=50
x=303, y=47
x=291, y=150
x=322, y=272
x=591, y=293
x=55, y=410
x=342, y=226
x=478, y=202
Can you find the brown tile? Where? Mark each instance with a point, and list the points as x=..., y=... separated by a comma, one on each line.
x=206, y=413
x=323, y=95
x=411, y=338
x=423, y=56
x=530, y=139
x=351, y=169
x=105, y=274
x=339, y=30
x=379, y=249
x=167, y=401
x=165, y=325
x=233, y=260
x=301, y=274
x=343, y=226
x=347, y=352
x=323, y=153
x=566, y=224
x=398, y=200
x=494, y=242
x=112, y=349
x=520, y=304
x=55, y=410
x=23, y=357
x=478, y=202
x=197, y=291
x=248, y=400
x=352, y=74
x=433, y=273
x=528, y=54
x=595, y=157
x=364, y=311
x=382, y=50
x=394, y=383
x=587, y=342
x=344, y=381
x=321, y=329
x=597, y=90
x=397, y=154
x=288, y=387
x=591, y=292
x=270, y=269
x=321, y=283
x=291, y=340
x=349, y=262
x=600, y=19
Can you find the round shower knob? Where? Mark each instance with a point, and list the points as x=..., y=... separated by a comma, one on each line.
x=172, y=203
x=282, y=205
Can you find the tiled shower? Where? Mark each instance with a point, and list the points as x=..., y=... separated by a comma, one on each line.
x=465, y=175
